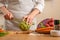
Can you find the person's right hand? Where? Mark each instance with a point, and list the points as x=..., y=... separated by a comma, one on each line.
x=8, y=16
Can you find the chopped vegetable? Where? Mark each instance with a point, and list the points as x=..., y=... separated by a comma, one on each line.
x=3, y=34
x=24, y=26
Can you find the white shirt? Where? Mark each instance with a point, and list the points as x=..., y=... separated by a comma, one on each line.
x=39, y=4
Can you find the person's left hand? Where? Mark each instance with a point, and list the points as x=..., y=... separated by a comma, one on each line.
x=28, y=19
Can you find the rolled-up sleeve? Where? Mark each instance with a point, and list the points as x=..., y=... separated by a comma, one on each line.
x=40, y=5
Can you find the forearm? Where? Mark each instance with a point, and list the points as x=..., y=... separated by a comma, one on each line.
x=35, y=12
x=4, y=10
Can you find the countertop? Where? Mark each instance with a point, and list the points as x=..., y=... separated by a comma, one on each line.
x=31, y=36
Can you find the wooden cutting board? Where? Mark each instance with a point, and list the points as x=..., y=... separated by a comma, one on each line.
x=32, y=36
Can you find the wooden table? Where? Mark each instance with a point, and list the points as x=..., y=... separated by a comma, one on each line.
x=31, y=36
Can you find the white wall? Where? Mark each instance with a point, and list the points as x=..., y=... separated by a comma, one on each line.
x=52, y=9
x=57, y=9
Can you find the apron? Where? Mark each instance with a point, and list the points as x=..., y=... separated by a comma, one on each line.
x=19, y=9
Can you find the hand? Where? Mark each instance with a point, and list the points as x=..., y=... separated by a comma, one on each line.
x=28, y=19
x=8, y=16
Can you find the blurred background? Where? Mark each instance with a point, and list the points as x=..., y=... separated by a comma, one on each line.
x=51, y=10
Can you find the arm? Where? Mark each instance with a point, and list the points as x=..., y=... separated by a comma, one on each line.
x=38, y=9
x=40, y=5
x=2, y=6
x=4, y=10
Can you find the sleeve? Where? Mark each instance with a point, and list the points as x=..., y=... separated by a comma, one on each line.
x=40, y=5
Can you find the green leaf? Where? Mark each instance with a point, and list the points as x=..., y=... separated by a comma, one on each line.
x=3, y=34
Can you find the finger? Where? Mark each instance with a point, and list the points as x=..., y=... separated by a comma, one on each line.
x=24, y=18
x=11, y=17
x=6, y=17
x=30, y=21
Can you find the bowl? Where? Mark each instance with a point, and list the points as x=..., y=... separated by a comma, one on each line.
x=55, y=33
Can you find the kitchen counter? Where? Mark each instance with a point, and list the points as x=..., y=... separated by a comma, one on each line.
x=31, y=36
